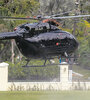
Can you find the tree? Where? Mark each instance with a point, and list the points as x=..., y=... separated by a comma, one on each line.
x=84, y=47
x=25, y=7
x=84, y=52
x=56, y=6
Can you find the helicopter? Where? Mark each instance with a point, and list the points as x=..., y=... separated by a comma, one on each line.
x=42, y=39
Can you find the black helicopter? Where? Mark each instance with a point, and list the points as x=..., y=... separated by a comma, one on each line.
x=42, y=39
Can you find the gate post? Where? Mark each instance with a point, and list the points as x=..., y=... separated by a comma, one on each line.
x=3, y=76
x=64, y=75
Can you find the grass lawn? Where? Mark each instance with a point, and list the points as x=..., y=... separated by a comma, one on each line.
x=46, y=95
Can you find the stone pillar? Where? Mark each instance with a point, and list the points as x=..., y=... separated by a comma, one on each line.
x=64, y=72
x=64, y=76
x=70, y=75
x=3, y=76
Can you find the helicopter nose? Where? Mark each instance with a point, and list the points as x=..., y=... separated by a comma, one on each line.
x=71, y=36
x=73, y=42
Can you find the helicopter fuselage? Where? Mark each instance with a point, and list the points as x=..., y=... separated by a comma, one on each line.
x=42, y=40
x=47, y=44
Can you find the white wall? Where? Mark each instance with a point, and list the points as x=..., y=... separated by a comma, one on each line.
x=64, y=83
x=30, y=86
x=3, y=76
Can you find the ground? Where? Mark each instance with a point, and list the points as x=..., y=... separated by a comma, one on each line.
x=45, y=95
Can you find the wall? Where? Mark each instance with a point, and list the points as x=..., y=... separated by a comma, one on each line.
x=31, y=86
x=64, y=83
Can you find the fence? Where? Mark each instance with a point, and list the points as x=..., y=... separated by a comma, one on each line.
x=64, y=84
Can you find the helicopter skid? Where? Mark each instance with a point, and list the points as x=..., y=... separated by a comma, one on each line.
x=33, y=66
x=41, y=65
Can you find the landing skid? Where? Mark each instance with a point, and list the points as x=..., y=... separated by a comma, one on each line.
x=49, y=64
x=41, y=65
x=34, y=65
x=44, y=64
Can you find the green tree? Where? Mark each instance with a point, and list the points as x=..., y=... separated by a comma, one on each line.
x=84, y=52
x=23, y=7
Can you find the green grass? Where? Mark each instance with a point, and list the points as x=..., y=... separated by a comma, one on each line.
x=46, y=95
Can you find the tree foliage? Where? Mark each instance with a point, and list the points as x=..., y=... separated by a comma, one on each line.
x=25, y=7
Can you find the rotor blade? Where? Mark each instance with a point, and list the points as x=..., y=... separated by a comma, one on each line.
x=66, y=17
x=18, y=18
x=45, y=17
x=8, y=35
x=60, y=14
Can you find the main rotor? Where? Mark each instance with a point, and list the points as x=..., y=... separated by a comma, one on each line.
x=40, y=17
